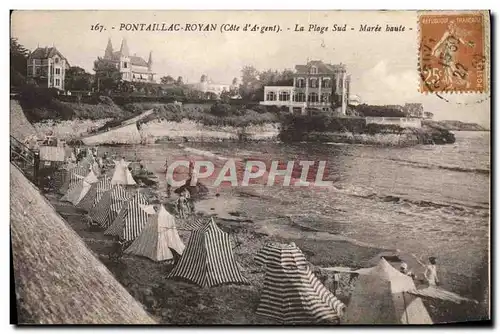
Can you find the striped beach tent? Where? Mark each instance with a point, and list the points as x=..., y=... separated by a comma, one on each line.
x=80, y=188
x=72, y=177
x=158, y=238
x=95, y=193
x=208, y=259
x=292, y=294
x=121, y=174
x=280, y=255
x=190, y=224
x=130, y=220
x=381, y=297
x=106, y=210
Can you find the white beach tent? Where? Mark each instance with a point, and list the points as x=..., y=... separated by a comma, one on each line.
x=158, y=238
x=292, y=294
x=381, y=297
x=121, y=174
x=80, y=188
x=130, y=220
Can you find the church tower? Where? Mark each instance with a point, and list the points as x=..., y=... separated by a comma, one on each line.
x=108, y=54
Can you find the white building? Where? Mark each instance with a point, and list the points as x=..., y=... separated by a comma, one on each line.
x=315, y=86
x=47, y=66
x=131, y=67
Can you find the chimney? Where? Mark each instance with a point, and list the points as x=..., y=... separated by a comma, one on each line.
x=150, y=60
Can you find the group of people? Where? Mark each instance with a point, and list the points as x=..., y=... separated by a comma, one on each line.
x=430, y=273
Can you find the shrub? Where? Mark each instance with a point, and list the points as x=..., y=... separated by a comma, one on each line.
x=220, y=109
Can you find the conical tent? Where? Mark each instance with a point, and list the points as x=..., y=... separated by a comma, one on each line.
x=80, y=188
x=106, y=210
x=280, y=255
x=380, y=297
x=208, y=259
x=131, y=219
x=72, y=177
x=292, y=294
x=95, y=193
x=73, y=188
x=121, y=174
x=158, y=238
x=86, y=162
x=96, y=169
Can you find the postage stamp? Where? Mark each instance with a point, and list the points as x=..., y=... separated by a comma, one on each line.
x=453, y=55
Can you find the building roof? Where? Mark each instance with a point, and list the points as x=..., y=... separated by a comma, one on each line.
x=44, y=53
x=134, y=60
x=322, y=67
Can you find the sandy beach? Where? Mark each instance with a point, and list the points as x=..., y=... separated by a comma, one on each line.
x=177, y=302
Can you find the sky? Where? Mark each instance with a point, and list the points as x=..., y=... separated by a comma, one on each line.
x=383, y=65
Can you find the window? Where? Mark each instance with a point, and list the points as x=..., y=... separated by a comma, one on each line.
x=58, y=82
x=58, y=71
x=56, y=60
x=327, y=83
x=284, y=96
x=313, y=97
x=271, y=96
x=325, y=97
x=314, y=70
x=124, y=64
x=300, y=97
x=313, y=83
x=300, y=83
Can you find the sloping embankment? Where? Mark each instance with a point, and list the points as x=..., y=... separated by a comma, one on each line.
x=139, y=117
x=20, y=127
x=57, y=279
x=125, y=134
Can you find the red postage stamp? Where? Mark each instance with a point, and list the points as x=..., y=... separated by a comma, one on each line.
x=453, y=52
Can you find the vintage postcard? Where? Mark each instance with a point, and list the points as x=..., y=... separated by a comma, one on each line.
x=250, y=167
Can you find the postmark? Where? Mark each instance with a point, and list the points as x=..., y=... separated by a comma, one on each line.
x=453, y=52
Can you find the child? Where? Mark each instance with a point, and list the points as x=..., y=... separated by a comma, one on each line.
x=405, y=271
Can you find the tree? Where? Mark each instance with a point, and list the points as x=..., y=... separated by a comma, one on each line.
x=77, y=79
x=108, y=77
x=249, y=82
x=167, y=80
x=18, y=63
x=203, y=78
x=235, y=82
x=225, y=95
x=179, y=81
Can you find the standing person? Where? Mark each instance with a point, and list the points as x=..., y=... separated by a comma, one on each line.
x=36, y=166
x=430, y=273
x=169, y=187
x=191, y=168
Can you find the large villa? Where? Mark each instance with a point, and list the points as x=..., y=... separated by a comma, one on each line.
x=315, y=85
